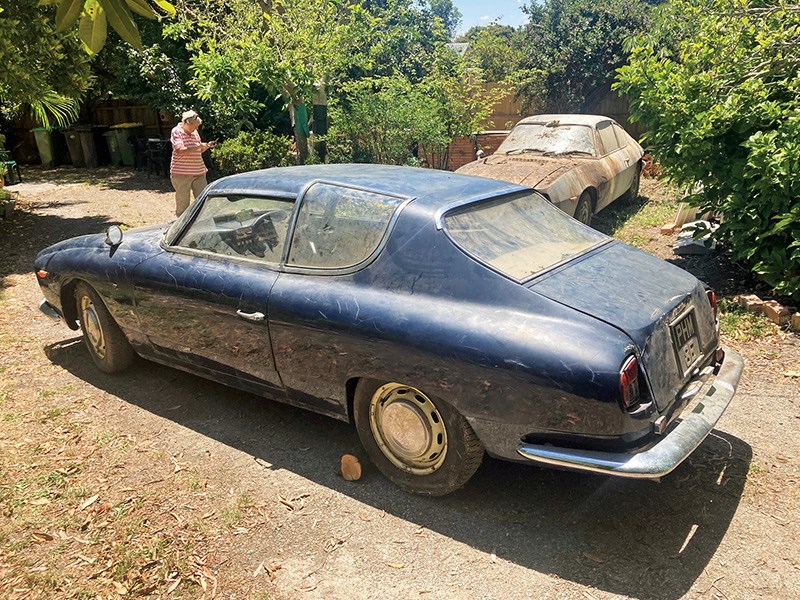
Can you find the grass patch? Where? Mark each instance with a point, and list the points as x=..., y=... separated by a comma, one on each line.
x=742, y=325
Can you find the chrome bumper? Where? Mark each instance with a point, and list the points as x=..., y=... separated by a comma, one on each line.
x=672, y=449
x=47, y=309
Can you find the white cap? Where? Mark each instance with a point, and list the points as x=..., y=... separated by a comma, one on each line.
x=189, y=114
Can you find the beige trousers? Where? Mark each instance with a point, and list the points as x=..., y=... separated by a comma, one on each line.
x=185, y=186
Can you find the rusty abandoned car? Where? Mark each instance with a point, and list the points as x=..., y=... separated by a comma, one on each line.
x=581, y=163
x=443, y=315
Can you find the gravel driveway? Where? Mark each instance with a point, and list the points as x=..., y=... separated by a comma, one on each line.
x=159, y=483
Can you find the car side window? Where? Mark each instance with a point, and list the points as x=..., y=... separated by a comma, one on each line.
x=240, y=226
x=339, y=227
x=607, y=136
x=622, y=137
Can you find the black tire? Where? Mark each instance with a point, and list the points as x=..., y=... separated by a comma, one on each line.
x=583, y=210
x=108, y=346
x=442, y=463
x=633, y=191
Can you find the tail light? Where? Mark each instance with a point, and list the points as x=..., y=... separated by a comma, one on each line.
x=712, y=299
x=629, y=382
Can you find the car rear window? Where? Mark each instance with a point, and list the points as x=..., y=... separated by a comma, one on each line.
x=519, y=235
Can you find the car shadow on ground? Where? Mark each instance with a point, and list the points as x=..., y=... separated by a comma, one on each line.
x=636, y=538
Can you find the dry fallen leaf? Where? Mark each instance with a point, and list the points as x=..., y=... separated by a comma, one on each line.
x=88, y=502
x=39, y=501
x=792, y=374
x=120, y=589
x=396, y=565
x=173, y=585
x=350, y=467
x=41, y=536
x=594, y=557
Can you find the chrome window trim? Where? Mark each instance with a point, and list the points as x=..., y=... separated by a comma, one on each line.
x=439, y=215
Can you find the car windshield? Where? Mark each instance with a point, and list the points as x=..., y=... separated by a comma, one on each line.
x=519, y=235
x=550, y=138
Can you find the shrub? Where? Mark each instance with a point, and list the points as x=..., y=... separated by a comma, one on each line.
x=252, y=150
x=716, y=84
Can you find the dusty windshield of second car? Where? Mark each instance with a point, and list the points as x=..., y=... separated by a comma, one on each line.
x=555, y=139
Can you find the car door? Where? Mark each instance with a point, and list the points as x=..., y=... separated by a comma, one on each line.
x=318, y=309
x=615, y=163
x=203, y=303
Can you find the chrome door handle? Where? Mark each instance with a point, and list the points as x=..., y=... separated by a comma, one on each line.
x=256, y=316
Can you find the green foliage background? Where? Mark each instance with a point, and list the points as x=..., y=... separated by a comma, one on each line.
x=717, y=83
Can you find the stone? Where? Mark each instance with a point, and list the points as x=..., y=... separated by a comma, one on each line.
x=668, y=229
x=795, y=323
x=686, y=243
x=776, y=312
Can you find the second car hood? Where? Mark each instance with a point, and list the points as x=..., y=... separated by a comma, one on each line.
x=527, y=169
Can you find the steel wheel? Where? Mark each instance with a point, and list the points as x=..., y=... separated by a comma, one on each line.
x=107, y=344
x=633, y=191
x=419, y=441
x=93, y=327
x=408, y=429
x=583, y=211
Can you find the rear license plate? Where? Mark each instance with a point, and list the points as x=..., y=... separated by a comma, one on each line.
x=684, y=340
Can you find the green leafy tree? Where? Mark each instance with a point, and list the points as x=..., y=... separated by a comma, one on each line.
x=572, y=49
x=39, y=66
x=448, y=14
x=93, y=17
x=495, y=49
x=716, y=83
x=385, y=120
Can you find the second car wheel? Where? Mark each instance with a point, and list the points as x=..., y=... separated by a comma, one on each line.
x=418, y=441
x=583, y=210
x=109, y=347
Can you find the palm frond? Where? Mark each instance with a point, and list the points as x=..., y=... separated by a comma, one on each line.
x=61, y=109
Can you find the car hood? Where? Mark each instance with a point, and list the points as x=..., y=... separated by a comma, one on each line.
x=530, y=170
x=642, y=296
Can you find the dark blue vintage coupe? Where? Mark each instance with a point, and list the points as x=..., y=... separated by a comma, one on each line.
x=444, y=315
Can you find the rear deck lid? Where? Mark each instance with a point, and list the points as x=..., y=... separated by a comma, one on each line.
x=661, y=307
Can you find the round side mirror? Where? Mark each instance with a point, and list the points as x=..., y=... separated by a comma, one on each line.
x=114, y=235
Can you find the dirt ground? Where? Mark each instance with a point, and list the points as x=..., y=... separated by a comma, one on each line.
x=156, y=483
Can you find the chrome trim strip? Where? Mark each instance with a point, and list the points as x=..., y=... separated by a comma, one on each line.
x=672, y=448
x=438, y=216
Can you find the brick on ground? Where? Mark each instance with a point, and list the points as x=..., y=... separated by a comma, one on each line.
x=750, y=302
x=776, y=312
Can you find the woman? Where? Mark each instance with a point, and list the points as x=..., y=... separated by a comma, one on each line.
x=187, y=169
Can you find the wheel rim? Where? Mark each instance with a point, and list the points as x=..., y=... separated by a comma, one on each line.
x=92, y=327
x=408, y=428
x=584, y=214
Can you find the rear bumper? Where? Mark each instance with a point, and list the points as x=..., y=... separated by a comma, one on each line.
x=677, y=443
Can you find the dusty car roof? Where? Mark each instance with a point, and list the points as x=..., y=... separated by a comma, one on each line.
x=430, y=187
x=566, y=119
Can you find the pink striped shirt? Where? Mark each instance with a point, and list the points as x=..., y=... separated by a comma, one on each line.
x=186, y=163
